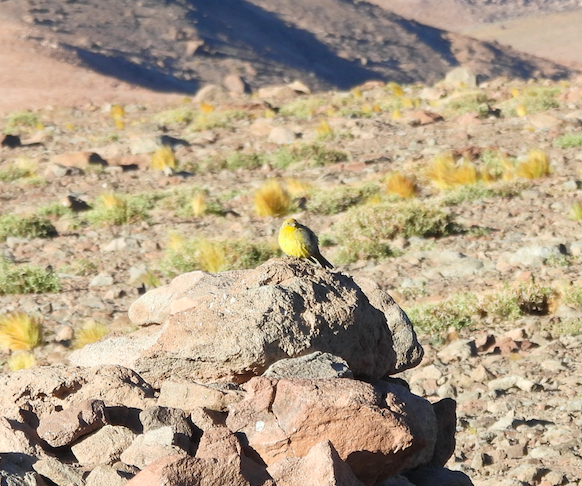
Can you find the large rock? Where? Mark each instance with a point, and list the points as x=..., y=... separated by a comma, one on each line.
x=372, y=428
x=233, y=325
x=44, y=390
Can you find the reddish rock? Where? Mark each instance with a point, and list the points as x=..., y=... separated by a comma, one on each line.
x=378, y=437
x=63, y=428
x=321, y=466
x=193, y=471
x=218, y=442
x=140, y=161
x=80, y=160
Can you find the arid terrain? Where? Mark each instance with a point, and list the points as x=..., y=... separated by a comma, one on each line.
x=485, y=259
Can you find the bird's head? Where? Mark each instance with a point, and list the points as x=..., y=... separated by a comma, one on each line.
x=289, y=223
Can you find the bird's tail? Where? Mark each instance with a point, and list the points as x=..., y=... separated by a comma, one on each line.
x=322, y=261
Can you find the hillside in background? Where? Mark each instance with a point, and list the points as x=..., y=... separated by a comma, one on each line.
x=179, y=46
x=546, y=28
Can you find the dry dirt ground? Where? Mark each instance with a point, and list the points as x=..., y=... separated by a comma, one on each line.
x=526, y=428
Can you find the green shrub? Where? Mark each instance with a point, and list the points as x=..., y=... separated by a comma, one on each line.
x=27, y=279
x=438, y=317
x=569, y=140
x=25, y=227
x=339, y=199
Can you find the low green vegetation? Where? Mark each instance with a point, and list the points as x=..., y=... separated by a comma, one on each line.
x=464, y=309
x=27, y=279
x=364, y=231
x=34, y=226
x=339, y=199
x=116, y=209
x=569, y=140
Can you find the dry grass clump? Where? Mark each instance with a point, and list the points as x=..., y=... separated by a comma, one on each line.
x=576, y=211
x=21, y=360
x=91, y=332
x=199, y=205
x=324, y=131
x=116, y=209
x=20, y=332
x=298, y=188
x=272, y=199
x=401, y=185
x=186, y=255
x=163, y=159
x=535, y=166
x=445, y=172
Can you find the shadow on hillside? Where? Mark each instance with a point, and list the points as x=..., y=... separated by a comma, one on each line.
x=233, y=27
x=124, y=70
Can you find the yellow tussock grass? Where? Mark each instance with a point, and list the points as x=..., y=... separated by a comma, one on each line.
x=21, y=360
x=175, y=241
x=271, y=199
x=210, y=256
x=111, y=200
x=117, y=112
x=91, y=332
x=297, y=188
x=323, y=129
x=206, y=108
x=537, y=165
x=401, y=185
x=163, y=159
x=446, y=173
x=199, y=205
x=19, y=331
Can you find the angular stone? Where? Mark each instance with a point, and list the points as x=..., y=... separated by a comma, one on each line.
x=104, y=446
x=45, y=388
x=378, y=437
x=13, y=472
x=311, y=366
x=150, y=447
x=104, y=475
x=58, y=472
x=235, y=84
x=218, y=442
x=193, y=395
x=63, y=428
x=178, y=471
x=205, y=418
x=157, y=417
x=321, y=466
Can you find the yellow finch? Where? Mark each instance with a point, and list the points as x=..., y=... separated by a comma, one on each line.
x=299, y=241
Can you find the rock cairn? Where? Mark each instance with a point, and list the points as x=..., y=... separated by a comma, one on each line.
x=279, y=375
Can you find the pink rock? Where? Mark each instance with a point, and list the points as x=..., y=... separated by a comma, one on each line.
x=218, y=442
x=321, y=466
x=193, y=471
x=78, y=159
x=63, y=428
x=378, y=437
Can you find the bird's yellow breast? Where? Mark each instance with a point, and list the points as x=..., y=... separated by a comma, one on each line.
x=294, y=243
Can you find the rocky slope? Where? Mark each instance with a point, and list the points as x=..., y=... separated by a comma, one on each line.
x=180, y=46
x=518, y=393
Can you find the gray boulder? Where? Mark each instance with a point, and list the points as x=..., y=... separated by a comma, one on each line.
x=232, y=326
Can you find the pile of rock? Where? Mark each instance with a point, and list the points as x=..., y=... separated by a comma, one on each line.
x=273, y=376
